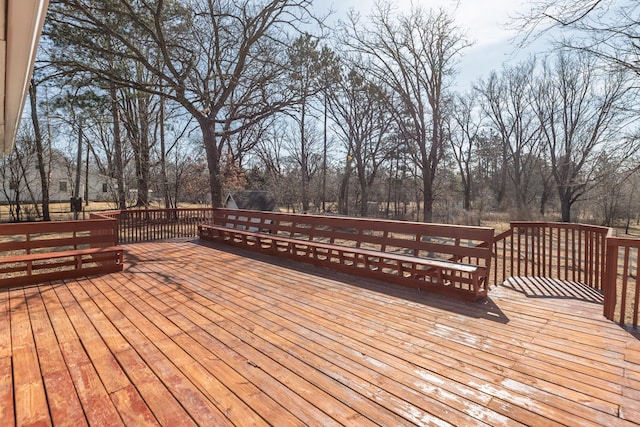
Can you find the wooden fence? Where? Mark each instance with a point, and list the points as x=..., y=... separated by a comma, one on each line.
x=144, y=225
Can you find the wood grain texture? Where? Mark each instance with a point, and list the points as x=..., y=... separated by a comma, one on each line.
x=212, y=335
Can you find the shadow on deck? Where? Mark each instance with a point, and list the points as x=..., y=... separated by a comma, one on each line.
x=483, y=309
x=542, y=287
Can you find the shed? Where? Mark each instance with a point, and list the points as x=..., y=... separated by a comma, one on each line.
x=251, y=200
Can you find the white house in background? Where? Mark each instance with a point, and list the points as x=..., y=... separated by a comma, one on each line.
x=61, y=183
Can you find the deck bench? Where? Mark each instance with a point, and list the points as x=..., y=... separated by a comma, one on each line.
x=447, y=259
x=38, y=252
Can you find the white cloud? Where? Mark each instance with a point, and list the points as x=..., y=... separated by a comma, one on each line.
x=484, y=21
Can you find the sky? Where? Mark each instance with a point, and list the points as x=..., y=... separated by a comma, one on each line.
x=485, y=22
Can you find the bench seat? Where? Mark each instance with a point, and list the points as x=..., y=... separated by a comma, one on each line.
x=57, y=265
x=315, y=245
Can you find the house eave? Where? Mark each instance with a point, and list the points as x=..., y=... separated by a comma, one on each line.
x=21, y=23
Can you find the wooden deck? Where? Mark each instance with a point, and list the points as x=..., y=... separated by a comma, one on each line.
x=210, y=335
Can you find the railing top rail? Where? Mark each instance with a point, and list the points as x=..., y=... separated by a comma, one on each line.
x=107, y=213
x=42, y=227
x=350, y=218
x=503, y=235
x=624, y=242
x=144, y=210
x=562, y=225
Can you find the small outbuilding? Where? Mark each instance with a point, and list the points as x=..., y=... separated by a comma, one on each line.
x=251, y=200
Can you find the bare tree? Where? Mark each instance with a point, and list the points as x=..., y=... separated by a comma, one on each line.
x=139, y=109
x=465, y=129
x=43, y=172
x=607, y=196
x=361, y=111
x=19, y=181
x=224, y=62
x=414, y=54
x=305, y=160
x=582, y=116
x=506, y=103
x=607, y=29
x=304, y=58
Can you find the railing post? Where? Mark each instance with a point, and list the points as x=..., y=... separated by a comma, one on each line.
x=610, y=279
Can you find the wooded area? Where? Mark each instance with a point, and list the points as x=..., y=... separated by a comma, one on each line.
x=184, y=101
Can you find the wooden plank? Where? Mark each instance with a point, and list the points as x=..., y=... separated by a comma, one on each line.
x=63, y=401
x=106, y=330
x=200, y=409
x=187, y=322
x=265, y=291
x=262, y=400
x=7, y=408
x=245, y=298
x=5, y=324
x=252, y=363
x=29, y=392
x=217, y=393
x=249, y=310
x=64, y=405
x=132, y=408
x=161, y=402
x=98, y=353
x=95, y=400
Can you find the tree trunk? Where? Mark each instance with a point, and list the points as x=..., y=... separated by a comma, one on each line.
x=163, y=159
x=364, y=202
x=142, y=152
x=44, y=181
x=565, y=205
x=343, y=193
x=76, y=188
x=304, y=166
x=364, y=189
x=466, y=182
x=502, y=186
x=427, y=184
x=324, y=155
x=117, y=143
x=213, y=162
x=86, y=179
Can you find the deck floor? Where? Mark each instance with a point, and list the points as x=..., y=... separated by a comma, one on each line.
x=195, y=334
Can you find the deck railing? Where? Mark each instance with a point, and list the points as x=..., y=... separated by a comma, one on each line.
x=575, y=252
x=586, y=254
x=622, y=291
x=144, y=225
x=563, y=251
